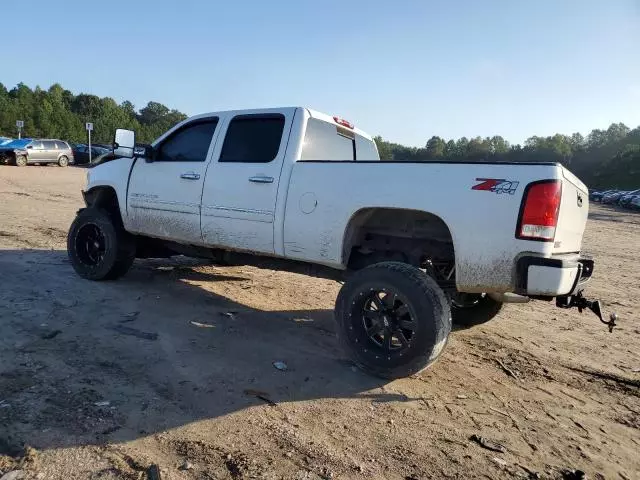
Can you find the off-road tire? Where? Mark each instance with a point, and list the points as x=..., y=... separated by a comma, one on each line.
x=486, y=309
x=63, y=161
x=428, y=307
x=119, y=246
x=21, y=161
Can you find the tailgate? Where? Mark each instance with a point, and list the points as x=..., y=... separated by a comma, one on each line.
x=574, y=208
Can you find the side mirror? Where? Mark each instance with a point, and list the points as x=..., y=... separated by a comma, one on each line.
x=124, y=143
x=29, y=146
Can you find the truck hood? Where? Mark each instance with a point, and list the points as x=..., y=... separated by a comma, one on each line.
x=104, y=158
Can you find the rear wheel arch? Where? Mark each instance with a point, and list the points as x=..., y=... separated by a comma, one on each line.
x=401, y=232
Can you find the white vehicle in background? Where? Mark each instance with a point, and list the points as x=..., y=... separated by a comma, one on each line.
x=415, y=242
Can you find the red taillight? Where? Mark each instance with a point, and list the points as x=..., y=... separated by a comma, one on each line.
x=343, y=122
x=539, y=212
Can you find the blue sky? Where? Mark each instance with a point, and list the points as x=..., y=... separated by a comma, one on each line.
x=404, y=69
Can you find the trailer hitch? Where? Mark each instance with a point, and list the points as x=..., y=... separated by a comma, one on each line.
x=578, y=300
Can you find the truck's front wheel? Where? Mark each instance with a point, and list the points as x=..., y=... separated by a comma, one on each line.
x=393, y=319
x=98, y=247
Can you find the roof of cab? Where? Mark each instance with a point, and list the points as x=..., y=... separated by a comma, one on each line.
x=313, y=113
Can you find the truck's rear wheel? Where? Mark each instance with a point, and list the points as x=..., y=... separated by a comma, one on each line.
x=468, y=309
x=98, y=247
x=393, y=319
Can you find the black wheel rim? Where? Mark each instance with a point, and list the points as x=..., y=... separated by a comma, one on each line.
x=90, y=245
x=388, y=321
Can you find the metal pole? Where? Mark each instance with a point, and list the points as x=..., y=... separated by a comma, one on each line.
x=89, y=145
x=19, y=133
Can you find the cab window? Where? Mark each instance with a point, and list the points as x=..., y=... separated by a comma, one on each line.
x=188, y=144
x=253, y=138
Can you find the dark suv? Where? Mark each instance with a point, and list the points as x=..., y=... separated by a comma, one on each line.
x=22, y=152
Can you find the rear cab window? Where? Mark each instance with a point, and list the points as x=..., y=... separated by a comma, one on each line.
x=326, y=141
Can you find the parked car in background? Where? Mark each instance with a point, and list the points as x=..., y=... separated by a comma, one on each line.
x=9, y=150
x=625, y=199
x=81, y=153
x=613, y=196
x=25, y=151
x=596, y=196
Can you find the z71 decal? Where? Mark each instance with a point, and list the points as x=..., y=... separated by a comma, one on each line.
x=496, y=185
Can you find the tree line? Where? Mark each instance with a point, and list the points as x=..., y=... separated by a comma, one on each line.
x=58, y=113
x=604, y=158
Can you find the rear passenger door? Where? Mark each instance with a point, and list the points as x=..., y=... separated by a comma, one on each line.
x=240, y=190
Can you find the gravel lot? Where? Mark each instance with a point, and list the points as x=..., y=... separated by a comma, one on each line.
x=173, y=366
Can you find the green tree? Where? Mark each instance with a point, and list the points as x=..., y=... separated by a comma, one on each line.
x=450, y=152
x=435, y=148
x=462, y=147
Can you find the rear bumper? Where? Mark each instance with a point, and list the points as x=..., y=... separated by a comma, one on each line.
x=554, y=276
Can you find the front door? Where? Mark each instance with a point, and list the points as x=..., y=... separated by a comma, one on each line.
x=240, y=191
x=164, y=195
x=36, y=151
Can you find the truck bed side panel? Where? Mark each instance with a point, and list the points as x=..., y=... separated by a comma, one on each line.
x=324, y=196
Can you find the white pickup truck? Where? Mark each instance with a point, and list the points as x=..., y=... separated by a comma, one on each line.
x=415, y=243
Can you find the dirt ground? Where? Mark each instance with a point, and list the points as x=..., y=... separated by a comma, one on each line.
x=173, y=366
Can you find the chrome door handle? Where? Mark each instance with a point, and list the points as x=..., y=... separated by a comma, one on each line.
x=190, y=176
x=261, y=179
